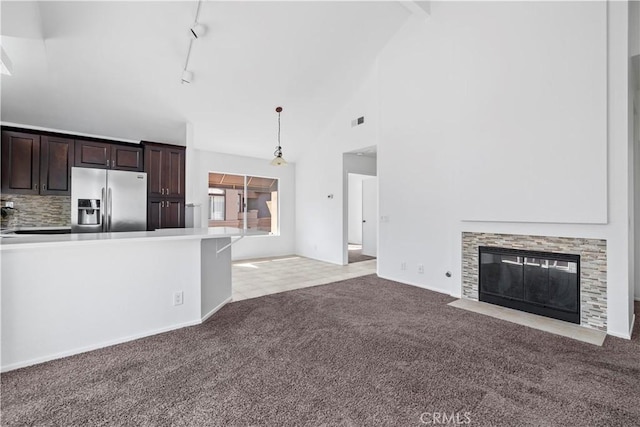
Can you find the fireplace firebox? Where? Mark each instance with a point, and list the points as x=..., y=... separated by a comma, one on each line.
x=542, y=283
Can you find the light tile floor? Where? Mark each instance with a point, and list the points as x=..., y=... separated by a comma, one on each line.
x=255, y=278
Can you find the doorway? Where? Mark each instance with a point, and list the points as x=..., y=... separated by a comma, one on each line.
x=360, y=236
x=362, y=212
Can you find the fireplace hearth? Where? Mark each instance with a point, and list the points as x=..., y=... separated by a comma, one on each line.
x=543, y=283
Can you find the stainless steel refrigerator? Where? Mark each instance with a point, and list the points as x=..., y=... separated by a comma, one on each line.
x=108, y=200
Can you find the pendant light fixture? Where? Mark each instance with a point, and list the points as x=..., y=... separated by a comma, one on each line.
x=278, y=160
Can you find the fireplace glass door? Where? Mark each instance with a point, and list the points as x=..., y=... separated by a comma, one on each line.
x=537, y=282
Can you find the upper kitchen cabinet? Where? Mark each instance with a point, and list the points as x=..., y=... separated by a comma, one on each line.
x=56, y=160
x=34, y=164
x=20, y=163
x=102, y=155
x=164, y=165
x=126, y=158
x=91, y=154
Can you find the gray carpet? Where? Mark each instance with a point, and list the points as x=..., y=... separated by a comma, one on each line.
x=355, y=255
x=365, y=351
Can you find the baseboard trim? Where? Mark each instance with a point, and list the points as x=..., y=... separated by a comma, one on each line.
x=328, y=261
x=417, y=285
x=38, y=360
x=212, y=312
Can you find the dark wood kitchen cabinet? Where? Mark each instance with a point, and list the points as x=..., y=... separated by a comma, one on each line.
x=91, y=154
x=126, y=158
x=165, y=167
x=56, y=161
x=165, y=214
x=35, y=164
x=20, y=163
x=102, y=155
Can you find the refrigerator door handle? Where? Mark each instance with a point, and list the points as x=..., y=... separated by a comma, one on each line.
x=103, y=208
x=109, y=195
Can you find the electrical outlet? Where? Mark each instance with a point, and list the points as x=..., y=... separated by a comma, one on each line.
x=8, y=205
x=421, y=268
x=178, y=298
x=403, y=265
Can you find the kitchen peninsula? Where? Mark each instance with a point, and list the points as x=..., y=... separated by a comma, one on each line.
x=68, y=293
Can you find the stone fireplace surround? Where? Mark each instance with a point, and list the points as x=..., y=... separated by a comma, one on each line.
x=593, y=267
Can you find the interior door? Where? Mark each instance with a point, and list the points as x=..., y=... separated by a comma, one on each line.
x=370, y=217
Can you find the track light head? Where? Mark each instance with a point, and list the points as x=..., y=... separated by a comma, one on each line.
x=197, y=30
x=187, y=76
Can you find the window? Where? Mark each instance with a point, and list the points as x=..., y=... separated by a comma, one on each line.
x=216, y=204
x=242, y=201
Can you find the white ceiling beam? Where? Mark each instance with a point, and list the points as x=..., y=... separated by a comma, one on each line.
x=418, y=8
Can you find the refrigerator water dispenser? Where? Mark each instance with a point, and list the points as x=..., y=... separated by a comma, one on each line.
x=89, y=211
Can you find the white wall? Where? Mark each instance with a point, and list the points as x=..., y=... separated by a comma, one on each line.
x=423, y=137
x=634, y=28
x=427, y=91
x=636, y=168
x=73, y=302
x=520, y=103
x=321, y=221
x=355, y=208
x=634, y=132
x=204, y=162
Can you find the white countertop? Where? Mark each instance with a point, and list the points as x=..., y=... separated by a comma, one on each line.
x=23, y=241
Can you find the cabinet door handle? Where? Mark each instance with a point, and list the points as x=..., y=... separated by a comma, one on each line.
x=36, y=186
x=168, y=203
x=113, y=163
x=167, y=191
x=107, y=162
x=44, y=186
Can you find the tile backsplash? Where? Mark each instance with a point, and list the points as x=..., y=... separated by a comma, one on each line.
x=37, y=211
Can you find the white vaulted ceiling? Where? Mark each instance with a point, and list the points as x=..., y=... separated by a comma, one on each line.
x=114, y=68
